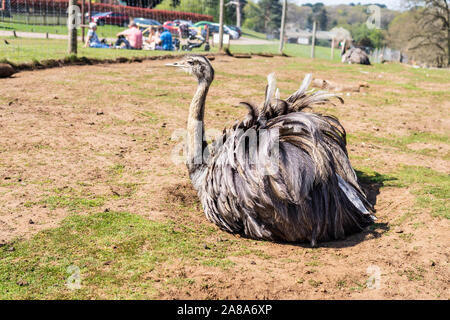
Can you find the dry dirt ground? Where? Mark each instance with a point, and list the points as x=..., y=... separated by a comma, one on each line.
x=79, y=141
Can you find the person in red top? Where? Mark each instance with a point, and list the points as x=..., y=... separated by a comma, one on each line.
x=132, y=37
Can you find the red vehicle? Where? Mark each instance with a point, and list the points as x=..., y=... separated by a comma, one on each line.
x=172, y=26
x=103, y=18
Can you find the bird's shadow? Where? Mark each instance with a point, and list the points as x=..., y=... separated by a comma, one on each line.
x=371, y=184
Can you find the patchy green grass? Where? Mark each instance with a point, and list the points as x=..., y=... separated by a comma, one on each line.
x=413, y=274
x=402, y=143
x=217, y=262
x=68, y=198
x=314, y=283
x=73, y=203
x=369, y=176
x=341, y=284
x=295, y=50
x=117, y=169
x=118, y=255
x=29, y=50
x=431, y=188
x=253, y=34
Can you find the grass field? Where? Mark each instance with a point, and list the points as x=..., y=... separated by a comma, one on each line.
x=253, y=34
x=294, y=50
x=27, y=50
x=89, y=191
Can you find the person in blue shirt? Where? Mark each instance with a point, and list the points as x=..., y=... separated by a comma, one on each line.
x=165, y=40
x=92, y=40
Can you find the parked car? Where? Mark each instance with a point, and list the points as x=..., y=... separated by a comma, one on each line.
x=171, y=26
x=146, y=22
x=179, y=22
x=211, y=27
x=111, y=18
x=233, y=34
x=237, y=29
x=93, y=13
x=202, y=23
x=214, y=28
x=174, y=27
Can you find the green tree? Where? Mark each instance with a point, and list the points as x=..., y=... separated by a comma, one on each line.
x=363, y=36
x=264, y=16
x=322, y=19
x=253, y=14
x=271, y=14
x=319, y=14
x=230, y=13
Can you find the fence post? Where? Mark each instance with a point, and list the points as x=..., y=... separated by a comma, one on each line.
x=221, y=26
x=207, y=34
x=82, y=21
x=72, y=27
x=313, y=41
x=332, y=48
x=89, y=10
x=283, y=21
x=238, y=14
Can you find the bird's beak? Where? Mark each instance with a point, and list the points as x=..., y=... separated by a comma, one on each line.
x=175, y=64
x=181, y=65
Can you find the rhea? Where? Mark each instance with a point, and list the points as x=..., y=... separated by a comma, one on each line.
x=281, y=174
x=355, y=56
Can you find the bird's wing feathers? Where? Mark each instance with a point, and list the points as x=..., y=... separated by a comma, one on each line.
x=298, y=184
x=301, y=91
x=271, y=88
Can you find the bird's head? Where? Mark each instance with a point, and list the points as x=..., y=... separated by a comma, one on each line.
x=197, y=65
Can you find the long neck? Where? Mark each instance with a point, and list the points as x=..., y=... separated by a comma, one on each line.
x=195, y=128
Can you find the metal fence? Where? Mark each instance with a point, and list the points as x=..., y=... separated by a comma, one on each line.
x=49, y=12
x=26, y=26
x=381, y=55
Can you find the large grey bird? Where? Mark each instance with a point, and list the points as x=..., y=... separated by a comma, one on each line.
x=281, y=174
x=355, y=55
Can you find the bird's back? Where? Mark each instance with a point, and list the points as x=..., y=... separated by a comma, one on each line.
x=356, y=55
x=284, y=174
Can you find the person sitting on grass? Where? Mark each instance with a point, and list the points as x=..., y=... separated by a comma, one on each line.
x=130, y=38
x=165, y=40
x=92, y=40
x=150, y=42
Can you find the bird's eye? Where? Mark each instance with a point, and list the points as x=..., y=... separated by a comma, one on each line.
x=190, y=62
